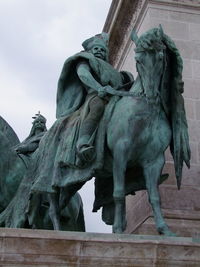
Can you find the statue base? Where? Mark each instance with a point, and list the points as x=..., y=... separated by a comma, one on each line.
x=23, y=247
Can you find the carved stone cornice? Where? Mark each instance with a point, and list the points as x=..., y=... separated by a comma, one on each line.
x=124, y=15
x=118, y=22
x=186, y=3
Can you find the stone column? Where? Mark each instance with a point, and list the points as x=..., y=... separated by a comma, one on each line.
x=181, y=21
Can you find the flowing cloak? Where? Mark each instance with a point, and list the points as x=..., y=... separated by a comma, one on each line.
x=71, y=93
x=53, y=164
x=56, y=165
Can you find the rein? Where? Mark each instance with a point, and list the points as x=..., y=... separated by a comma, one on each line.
x=117, y=91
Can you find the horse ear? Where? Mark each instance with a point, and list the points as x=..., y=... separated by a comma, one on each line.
x=134, y=36
x=161, y=30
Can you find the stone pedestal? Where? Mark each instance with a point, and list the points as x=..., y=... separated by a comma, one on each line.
x=22, y=247
x=180, y=20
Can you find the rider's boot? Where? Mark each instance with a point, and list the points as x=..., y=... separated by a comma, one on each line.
x=85, y=151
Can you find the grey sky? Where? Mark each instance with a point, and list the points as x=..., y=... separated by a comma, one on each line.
x=36, y=38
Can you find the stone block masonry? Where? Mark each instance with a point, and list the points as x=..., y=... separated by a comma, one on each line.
x=23, y=247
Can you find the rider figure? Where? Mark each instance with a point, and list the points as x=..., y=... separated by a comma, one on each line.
x=98, y=47
x=82, y=87
x=31, y=143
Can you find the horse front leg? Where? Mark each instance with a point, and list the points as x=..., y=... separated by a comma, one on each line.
x=152, y=174
x=119, y=169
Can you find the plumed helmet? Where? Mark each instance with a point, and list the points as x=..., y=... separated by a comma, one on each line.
x=40, y=117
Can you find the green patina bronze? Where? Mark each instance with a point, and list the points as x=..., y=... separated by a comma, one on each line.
x=15, y=156
x=104, y=131
x=16, y=160
x=11, y=167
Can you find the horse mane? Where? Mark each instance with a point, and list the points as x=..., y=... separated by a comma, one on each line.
x=178, y=63
x=171, y=89
x=179, y=146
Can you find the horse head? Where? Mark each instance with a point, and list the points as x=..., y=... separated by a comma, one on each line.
x=150, y=59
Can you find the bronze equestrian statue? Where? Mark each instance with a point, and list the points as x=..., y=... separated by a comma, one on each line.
x=122, y=145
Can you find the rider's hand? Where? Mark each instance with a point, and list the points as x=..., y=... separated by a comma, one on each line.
x=101, y=92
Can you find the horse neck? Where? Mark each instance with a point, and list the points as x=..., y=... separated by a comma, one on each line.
x=138, y=91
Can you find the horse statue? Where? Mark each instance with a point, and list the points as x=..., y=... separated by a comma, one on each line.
x=134, y=132
x=153, y=119
x=141, y=128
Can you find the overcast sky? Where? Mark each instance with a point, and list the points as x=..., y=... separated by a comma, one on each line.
x=36, y=38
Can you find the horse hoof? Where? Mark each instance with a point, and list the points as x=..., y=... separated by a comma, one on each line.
x=117, y=230
x=164, y=230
